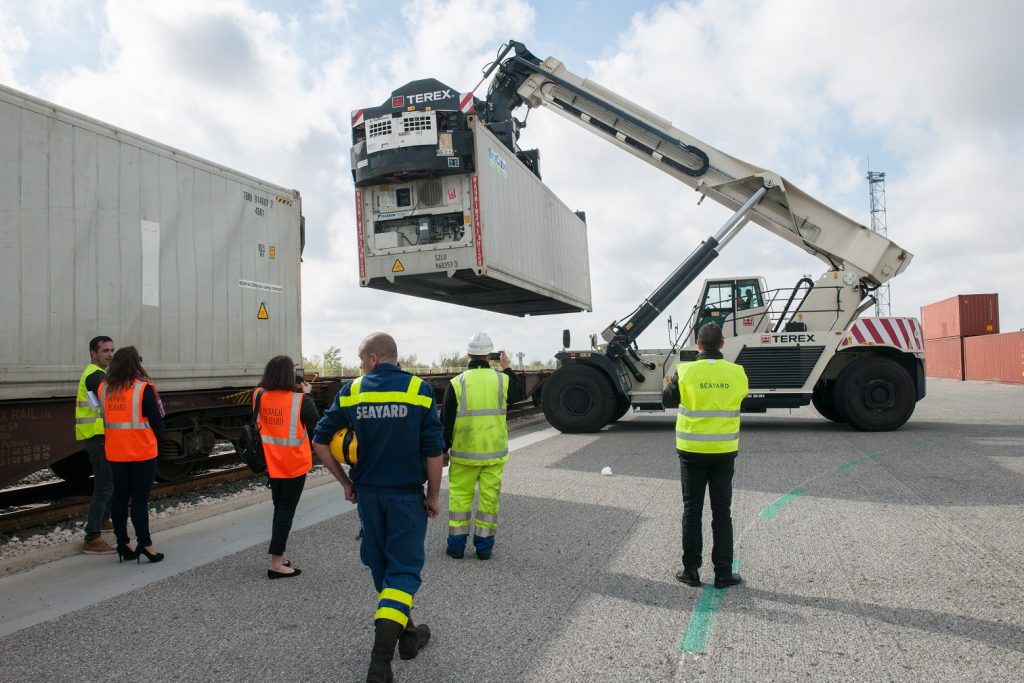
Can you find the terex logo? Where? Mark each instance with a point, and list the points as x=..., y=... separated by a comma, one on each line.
x=787, y=338
x=421, y=98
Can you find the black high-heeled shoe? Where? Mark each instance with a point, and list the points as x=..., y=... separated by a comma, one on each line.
x=152, y=557
x=125, y=552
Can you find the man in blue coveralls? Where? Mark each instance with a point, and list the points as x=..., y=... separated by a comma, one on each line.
x=400, y=445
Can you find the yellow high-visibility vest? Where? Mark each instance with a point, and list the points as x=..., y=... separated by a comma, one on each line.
x=481, y=433
x=88, y=421
x=710, y=393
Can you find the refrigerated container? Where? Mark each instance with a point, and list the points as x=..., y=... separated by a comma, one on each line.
x=483, y=231
x=105, y=232
x=964, y=315
x=944, y=357
x=995, y=358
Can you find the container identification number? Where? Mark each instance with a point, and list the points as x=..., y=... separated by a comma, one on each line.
x=442, y=262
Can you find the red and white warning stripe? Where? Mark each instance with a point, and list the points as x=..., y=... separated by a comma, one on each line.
x=357, y=117
x=900, y=333
x=466, y=102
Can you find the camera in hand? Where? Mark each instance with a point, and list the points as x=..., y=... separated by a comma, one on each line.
x=300, y=375
x=495, y=355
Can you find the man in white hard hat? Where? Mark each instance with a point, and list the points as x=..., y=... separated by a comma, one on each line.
x=476, y=444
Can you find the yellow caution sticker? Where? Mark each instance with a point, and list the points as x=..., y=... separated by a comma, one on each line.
x=262, y=315
x=398, y=267
x=273, y=252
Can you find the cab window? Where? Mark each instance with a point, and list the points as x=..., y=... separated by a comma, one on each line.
x=748, y=294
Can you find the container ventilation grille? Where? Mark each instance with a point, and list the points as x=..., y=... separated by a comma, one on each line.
x=430, y=193
x=414, y=124
x=378, y=128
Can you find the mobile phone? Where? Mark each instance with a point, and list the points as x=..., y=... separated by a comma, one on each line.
x=300, y=375
x=495, y=355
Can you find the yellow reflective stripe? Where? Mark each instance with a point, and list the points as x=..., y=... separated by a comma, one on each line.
x=391, y=614
x=479, y=456
x=485, y=517
x=690, y=436
x=459, y=515
x=483, y=531
x=410, y=396
x=88, y=420
x=397, y=596
x=391, y=397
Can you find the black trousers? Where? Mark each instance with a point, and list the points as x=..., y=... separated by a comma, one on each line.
x=713, y=472
x=286, y=494
x=132, y=480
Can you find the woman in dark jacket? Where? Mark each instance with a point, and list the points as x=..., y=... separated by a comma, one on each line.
x=287, y=416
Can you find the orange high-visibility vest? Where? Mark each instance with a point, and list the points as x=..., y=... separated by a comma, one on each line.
x=129, y=437
x=285, y=442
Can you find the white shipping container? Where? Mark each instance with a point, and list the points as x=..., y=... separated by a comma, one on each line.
x=506, y=242
x=106, y=232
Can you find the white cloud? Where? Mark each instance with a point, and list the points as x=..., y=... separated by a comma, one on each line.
x=13, y=46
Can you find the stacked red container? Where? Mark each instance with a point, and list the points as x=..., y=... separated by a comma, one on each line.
x=964, y=315
x=995, y=358
x=944, y=357
x=962, y=341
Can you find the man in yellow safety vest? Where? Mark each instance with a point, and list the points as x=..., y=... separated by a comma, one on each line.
x=89, y=431
x=476, y=444
x=708, y=393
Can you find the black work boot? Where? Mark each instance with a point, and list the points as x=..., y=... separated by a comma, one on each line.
x=689, y=575
x=726, y=580
x=386, y=633
x=412, y=640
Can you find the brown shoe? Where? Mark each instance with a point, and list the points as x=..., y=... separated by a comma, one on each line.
x=97, y=546
x=107, y=525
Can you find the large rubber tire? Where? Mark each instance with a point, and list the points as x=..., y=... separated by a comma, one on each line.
x=75, y=467
x=824, y=400
x=578, y=399
x=622, y=406
x=875, y=394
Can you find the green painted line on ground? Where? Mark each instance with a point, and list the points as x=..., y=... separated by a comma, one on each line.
x=772, y=511
x=866, y=458
x=702, y=619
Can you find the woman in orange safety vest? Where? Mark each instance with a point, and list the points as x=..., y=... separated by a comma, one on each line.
x=287, y=416
x=133, y=424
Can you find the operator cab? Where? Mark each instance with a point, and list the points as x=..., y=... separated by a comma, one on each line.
x=736, y=304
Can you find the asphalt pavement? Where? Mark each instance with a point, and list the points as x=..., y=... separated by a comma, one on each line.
x=876, y=557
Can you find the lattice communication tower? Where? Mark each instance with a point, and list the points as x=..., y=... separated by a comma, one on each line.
x=876, y=188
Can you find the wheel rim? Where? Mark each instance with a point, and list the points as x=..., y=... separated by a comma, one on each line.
x=576, y=400
x=879, y=394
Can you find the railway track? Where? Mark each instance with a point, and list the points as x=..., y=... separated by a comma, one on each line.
x=33, y=506
x=25, y=507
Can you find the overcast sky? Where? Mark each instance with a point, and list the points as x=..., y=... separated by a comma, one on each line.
x=930, y=90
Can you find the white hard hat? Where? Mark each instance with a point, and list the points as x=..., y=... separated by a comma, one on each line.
x=480, y=344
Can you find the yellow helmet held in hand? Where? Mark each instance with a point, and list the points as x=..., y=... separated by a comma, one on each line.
x=345, y=446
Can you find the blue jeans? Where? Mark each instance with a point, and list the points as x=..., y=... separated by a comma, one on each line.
x=712, y=472
x=102, y=487
x=132, y=480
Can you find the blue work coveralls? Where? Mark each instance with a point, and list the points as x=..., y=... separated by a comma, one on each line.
x=397, y=427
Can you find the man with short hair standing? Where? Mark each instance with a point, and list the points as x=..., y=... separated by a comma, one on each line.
x=476, y=443
x=89, y=430
x=400, y=444
x=708, y=392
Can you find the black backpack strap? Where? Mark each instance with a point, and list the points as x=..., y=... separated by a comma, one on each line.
x=256, y=407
